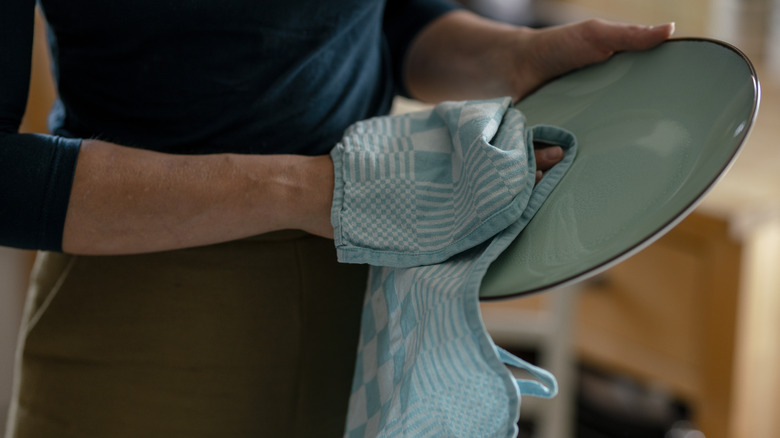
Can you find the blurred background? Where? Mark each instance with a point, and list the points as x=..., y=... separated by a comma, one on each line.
x=681, y=340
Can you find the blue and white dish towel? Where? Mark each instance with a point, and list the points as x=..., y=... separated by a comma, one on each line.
x=430, y=199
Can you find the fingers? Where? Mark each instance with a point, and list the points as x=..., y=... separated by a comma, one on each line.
x=553, y=51
x=614, y=37
x=546, y=157
x=651, y=36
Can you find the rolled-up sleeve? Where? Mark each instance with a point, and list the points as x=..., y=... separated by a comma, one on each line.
x=36, y=170
x=403, y=20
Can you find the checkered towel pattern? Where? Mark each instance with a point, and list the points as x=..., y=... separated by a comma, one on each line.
x=418, y=188
x=426, y=366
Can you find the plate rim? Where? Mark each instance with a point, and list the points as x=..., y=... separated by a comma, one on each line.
x=648, y=240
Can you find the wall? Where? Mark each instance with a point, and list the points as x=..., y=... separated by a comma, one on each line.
x=13, y=264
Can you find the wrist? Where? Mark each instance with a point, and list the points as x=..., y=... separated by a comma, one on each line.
x=462, y=56
x=307, y=194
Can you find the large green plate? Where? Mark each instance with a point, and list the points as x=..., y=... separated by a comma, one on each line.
x=656, y=130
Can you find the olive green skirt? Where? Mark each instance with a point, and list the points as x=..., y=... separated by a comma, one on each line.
x=253, y=338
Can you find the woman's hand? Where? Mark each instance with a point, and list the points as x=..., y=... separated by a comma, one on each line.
x=542, y=55
x=464, y=56
x=546, y=157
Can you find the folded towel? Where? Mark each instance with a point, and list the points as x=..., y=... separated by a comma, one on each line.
x=430, y=199
x=418, y=188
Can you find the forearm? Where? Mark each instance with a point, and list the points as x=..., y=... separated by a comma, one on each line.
x=462, y=56
x=127, y=200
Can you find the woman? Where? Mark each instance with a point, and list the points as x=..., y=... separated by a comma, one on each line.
x=188, y=286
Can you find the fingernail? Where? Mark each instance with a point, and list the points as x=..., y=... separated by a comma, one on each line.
x=670, y=25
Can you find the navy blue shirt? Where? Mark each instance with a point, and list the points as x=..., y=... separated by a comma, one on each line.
x=190, y=77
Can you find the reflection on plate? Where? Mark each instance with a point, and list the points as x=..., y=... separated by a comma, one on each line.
x=656, y=130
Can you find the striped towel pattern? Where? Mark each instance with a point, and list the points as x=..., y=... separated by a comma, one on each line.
x=426, y=366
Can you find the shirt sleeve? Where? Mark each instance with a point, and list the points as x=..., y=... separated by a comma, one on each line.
x=36, y=171
x=403, y=20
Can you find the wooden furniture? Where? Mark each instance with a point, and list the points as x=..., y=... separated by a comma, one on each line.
x=42, y=92
x=667, y=317
x=698, y=312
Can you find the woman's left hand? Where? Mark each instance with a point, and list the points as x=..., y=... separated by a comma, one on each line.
x=544, y=54
x=463, y=56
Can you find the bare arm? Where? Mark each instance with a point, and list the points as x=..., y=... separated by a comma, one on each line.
x=127, y=200
x=463, y=56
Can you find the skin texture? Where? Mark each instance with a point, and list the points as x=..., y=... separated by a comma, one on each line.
x=464, y=56
x=126, y=200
